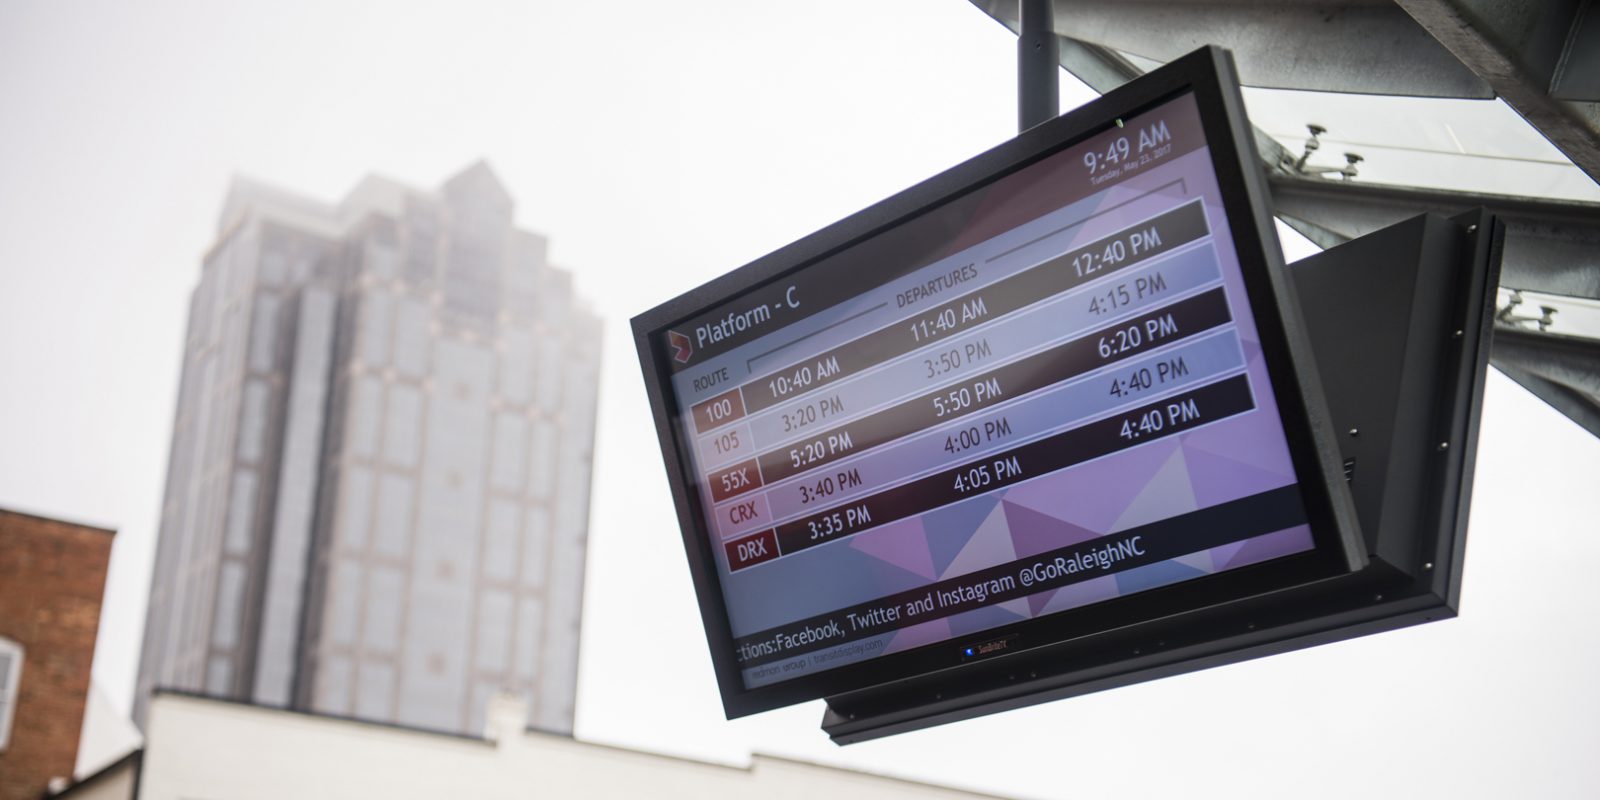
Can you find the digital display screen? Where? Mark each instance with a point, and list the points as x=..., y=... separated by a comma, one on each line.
x=1045, y=393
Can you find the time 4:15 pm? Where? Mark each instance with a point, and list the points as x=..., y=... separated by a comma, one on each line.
x=1125, y=293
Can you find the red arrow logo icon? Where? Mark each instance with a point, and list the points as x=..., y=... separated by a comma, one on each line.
x=681, y=347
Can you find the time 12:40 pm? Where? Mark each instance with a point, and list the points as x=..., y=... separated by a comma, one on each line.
x=1116, y=251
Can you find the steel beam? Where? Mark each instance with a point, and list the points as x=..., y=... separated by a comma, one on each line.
x=1365, y=46
x=1541, y=56
x=1577, y=76
x=1038, y=65
x=1103, y=69
x=1551, y=246
x=1523, y=50
x=1558, y=370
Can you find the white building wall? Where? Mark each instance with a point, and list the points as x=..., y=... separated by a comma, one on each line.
x=215, y=749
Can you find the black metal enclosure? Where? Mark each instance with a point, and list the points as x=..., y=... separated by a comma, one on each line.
x=1212, y=619
x=1400, y=321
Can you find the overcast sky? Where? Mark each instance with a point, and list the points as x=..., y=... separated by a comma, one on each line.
x=659, y=145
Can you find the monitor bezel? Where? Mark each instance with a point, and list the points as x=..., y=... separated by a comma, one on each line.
x=1207, y=73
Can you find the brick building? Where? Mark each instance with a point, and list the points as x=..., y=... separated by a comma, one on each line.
x=52, y=577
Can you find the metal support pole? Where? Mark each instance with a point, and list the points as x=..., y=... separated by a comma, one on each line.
x=1038, y=65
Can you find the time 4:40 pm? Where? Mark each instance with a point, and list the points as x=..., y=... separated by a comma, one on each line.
x=1141, y=378
x=1151, y=423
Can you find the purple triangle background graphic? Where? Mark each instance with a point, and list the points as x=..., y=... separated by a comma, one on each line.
x=1035, y=532
x=1218, y=479
x=902, y=544
x=1271, y=545
x=1092, y=496
x=917, y=635
x=950, y=528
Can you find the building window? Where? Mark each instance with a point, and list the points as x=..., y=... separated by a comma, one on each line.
x=10, y=677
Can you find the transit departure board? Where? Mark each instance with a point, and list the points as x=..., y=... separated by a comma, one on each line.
x=1045, y=393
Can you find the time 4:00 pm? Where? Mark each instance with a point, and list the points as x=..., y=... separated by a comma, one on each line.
x=972, y=436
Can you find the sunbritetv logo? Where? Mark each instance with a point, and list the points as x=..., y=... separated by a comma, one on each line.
x=682, y=348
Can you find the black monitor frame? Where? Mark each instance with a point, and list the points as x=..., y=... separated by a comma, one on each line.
x=1207, y=73
x=1401, y=321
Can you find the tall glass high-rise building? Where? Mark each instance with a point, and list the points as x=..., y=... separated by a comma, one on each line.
x=378, y=489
